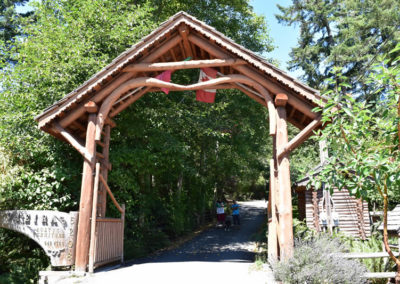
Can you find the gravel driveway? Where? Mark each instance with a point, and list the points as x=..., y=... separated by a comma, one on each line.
x=213, y=256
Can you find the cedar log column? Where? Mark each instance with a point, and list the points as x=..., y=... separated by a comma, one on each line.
x=272, y=219
x=284, y=196
x=86, y=201
x=104, y=172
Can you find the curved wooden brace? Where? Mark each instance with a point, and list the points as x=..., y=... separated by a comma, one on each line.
x=74, y=142
x=153, y=82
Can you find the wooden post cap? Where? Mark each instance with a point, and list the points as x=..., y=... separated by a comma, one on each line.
x=91, y=107
x=281, y=100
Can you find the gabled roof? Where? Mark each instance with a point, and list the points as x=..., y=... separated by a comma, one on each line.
x=297, y=91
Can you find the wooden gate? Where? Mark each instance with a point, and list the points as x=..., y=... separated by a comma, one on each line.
x=107, y=234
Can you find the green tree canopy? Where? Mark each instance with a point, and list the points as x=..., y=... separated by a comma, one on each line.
x=348, y=34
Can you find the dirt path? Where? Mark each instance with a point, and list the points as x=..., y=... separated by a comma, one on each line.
x=213, y=256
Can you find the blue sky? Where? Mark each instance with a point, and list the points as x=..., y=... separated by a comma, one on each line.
x=285, y=37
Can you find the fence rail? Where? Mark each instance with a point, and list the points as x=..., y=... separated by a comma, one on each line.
x=363, y=255
x=360, y=255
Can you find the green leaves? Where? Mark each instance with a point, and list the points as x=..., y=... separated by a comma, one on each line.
x=364, y=140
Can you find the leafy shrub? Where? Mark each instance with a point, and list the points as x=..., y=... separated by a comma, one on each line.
x=314, y=261
x=301, y=231
x=372, y=244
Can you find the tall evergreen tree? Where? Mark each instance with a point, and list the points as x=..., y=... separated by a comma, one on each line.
x=348, y=34
x=10, y=21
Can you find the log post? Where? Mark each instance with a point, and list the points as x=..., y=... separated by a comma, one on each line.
x=284, y=186
x=272, y=221
x=93, y=221
x=104, y=172
x=85, y=205
x=273, y=236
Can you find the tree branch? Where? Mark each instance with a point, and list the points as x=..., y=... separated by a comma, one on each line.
x=346, y=140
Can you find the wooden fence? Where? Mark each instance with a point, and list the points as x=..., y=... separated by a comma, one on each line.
x=363, y=255
x=107, y=234
x=109, y=241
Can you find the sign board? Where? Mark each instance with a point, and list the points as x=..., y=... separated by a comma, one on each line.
x=54, y=231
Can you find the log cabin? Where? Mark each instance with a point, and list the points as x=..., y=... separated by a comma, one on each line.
x=348, y=214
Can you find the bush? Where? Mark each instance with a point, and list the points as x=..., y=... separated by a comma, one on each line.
x=314, y=261
x=372, y=244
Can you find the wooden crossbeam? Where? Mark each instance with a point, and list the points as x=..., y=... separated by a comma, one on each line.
x=192, y=64
x=154, y=82
x=300, y=137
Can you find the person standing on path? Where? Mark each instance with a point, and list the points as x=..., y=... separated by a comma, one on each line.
x=235, y=213
x=220, y=212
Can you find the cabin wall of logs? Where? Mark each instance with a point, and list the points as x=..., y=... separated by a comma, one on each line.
x=349, y=214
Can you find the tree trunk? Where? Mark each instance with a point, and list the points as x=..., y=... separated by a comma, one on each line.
x=385, y=234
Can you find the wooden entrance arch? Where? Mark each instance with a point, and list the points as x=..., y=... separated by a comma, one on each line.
x=84, y=117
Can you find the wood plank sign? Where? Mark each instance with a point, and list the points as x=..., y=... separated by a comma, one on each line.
x=54, y=231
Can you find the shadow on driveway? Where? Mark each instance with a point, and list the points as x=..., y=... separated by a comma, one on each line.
x=217, y=245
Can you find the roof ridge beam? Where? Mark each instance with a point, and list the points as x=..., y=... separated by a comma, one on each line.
x=192, y=64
